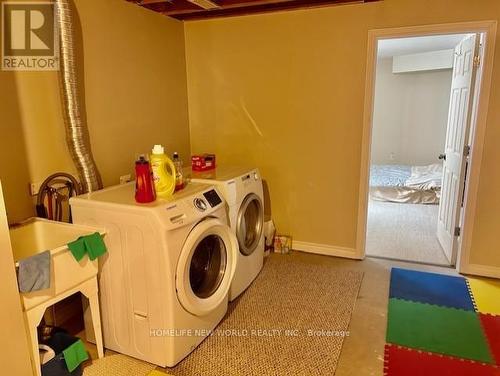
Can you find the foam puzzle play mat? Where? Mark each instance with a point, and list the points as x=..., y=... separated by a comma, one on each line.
x=442, y=325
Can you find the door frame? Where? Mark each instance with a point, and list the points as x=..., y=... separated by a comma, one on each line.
x=478, y=128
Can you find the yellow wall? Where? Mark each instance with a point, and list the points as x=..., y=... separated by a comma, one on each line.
x=285, y=92
x=136, y=96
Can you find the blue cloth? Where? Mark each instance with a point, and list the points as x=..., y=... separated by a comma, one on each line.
x=431, y=288
x=389, y=175
x=34, y=272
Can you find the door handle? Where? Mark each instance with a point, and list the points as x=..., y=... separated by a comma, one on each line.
x=442, y=157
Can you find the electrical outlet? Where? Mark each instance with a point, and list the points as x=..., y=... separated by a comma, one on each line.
x=34, y=188
x=125, y=178
x=392, y=156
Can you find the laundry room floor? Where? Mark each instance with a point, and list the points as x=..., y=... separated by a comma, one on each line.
x=363, y=350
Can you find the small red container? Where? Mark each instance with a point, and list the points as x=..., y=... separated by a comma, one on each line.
x=144, y=188
x=203, y=162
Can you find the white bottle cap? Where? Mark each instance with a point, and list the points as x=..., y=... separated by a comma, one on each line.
x=158, y=149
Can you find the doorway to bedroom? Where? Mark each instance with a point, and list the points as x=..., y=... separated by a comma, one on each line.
x=424, y=100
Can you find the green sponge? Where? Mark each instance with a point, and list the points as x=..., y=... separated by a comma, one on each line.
x=77, y=248
x=92, y=244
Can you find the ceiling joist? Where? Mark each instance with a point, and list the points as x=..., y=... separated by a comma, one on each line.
x=205, y=4
x=199, y=9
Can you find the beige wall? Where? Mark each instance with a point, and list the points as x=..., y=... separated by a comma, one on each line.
x=285, y=92
x=135, y=76
x=135, y=90
x=14, y=167
x=14, y=357
x=410, y=115
x=282, y=91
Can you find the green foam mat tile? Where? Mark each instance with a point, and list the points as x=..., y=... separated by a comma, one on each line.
x=437, y=329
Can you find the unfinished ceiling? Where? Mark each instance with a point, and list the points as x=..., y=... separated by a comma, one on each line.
x=196, y=9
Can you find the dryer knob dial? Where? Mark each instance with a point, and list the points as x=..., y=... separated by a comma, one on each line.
x=200, y=204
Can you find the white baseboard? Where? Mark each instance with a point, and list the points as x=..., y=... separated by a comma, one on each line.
x=324, y=249
x=481, y=270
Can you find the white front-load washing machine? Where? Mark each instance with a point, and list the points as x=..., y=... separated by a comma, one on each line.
x=243, y=191
x=165, y=279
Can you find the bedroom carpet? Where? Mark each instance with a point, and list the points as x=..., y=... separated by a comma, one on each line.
x=404, y=232
x=313, y=302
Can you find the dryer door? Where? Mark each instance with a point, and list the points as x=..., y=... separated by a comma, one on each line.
x=250, y=223
x=206, y=267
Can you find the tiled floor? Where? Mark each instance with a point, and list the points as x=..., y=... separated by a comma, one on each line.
x=363, y=350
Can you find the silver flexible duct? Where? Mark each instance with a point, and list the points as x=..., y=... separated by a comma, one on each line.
x=77, y=133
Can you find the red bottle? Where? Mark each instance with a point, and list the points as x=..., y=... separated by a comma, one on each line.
x=144, y=188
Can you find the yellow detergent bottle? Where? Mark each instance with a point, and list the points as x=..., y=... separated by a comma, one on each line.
x=164, y=179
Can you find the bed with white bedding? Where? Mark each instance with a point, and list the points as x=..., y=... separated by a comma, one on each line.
x=406, y=184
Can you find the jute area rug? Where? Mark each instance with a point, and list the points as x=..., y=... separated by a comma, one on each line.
x=114, y=364
x=291, y=321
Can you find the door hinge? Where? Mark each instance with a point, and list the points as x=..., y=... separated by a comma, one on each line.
x=457, y=231
x=477, y=61
x=466, y=150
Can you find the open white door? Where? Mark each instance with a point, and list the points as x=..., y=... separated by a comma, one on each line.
x=456, y=149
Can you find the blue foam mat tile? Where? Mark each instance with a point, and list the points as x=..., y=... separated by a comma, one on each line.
x=423, y=287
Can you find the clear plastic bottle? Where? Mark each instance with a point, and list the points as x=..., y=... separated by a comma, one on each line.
x=179, y=176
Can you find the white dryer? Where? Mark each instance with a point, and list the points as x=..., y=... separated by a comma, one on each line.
x=242, y=188
x=165, y=279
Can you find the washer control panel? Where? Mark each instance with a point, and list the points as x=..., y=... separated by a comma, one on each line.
x=212, y=197
x=191, y=205
x=250, y=177
x=200, y=204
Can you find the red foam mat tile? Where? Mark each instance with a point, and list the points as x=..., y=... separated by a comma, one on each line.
x=402, y=361
x=491, y=326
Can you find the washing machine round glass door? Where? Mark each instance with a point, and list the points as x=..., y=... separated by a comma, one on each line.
x=249, y=224
x=206, y=266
